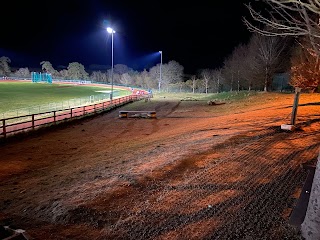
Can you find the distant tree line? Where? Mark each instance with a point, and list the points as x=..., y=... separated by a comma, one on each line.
x=250, y=66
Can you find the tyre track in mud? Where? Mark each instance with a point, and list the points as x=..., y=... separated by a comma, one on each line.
x=160, y=108
x=176, y=219
x=133, y=225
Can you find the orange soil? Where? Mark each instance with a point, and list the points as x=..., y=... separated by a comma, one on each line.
x=198, y=171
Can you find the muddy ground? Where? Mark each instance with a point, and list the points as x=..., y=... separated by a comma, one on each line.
x=197, y=171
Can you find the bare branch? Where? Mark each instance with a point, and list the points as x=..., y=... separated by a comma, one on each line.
x=287, y=18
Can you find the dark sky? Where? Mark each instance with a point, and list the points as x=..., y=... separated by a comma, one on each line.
x=197, y=34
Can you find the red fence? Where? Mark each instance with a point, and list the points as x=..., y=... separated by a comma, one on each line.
x=13, y=125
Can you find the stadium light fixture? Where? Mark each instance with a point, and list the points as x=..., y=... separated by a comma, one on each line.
x=160, y=71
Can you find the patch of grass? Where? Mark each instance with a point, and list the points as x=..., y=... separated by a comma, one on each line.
x=18, y=95
x=224, y=96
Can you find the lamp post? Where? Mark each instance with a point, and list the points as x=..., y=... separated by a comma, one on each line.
x=160, y=71
x=111, y=31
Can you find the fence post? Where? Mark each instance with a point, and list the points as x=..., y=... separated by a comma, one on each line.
x=32, y=122
x=295, y=106
x=4, y=128
x=94, y=107
x=84, y=110
x=71, y=112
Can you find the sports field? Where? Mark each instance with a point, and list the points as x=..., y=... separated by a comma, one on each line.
x=18, y=95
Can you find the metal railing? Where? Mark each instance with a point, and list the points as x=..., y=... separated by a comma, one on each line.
x=54, y=106
x=12, y=125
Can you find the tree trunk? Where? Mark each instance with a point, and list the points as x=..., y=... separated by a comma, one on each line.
x=193, y=86
x=206, y=86
x=238, y=81
x=231, y=82
x=266, y=80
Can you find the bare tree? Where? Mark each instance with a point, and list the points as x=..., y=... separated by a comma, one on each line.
x=200, y=85
x=171, y=72
x=217, y=79
x=237, y=60
x=206, y=75
x=22, y=72
x=228, y=72
x=4, y=66
x=146, y=81
x=64, y=73
x=138, y=78
x=179, y=85
x=251, y=69
x=77, y=71
x=155, y=74
x=305, y=68
x=269, y=56
x=192, y=83
x=125, y=79
x=118, y=71
x=233, y=67
x=143, y=79
x=99, y=76
x=287, y=18
x=121, y=69
x=48, y=68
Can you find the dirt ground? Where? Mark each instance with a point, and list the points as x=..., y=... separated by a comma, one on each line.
x=197, y=171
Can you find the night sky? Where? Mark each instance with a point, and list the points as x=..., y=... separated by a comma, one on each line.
x=197, y=34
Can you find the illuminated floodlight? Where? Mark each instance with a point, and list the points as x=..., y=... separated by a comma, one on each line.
x=110, y=30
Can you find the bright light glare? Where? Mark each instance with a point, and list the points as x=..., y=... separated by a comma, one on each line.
x=160, y=52
x=110, y=30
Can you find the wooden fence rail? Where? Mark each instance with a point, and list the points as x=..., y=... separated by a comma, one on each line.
x=33, y=121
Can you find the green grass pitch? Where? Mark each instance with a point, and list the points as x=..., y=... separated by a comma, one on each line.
x=17, y=95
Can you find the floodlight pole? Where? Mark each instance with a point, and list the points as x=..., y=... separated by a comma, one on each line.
x=160, y=71
x=111, y=31
x=111, y=96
